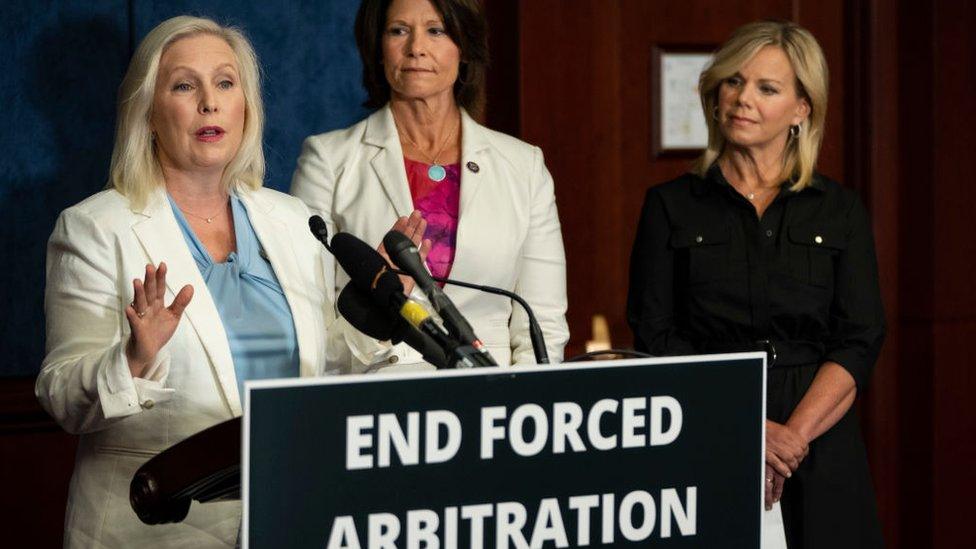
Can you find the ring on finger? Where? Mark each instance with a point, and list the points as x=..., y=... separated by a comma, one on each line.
x=140, y=315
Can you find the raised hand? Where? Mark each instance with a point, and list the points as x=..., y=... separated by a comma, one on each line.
x=152, y=323
x=414, y=227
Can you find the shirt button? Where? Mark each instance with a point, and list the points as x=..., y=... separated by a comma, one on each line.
x=394, y=359
x=769, y=232
x=818, y=239
x=699, y=239
x=148, y=404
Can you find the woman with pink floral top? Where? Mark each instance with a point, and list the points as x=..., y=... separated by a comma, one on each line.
x=480, y=203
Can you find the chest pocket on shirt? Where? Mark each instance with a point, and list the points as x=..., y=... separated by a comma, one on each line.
x=812, y=252
x=706, y=250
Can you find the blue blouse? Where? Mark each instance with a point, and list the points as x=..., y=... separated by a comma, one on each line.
x=250, y=301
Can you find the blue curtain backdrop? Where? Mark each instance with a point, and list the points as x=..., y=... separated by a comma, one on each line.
x=61, y=63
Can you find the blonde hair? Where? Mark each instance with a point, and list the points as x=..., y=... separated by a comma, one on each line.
x=810, y=67
x=135, y=171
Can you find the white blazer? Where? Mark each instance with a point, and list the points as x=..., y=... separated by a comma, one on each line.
x=508, y=233
x=96, y=250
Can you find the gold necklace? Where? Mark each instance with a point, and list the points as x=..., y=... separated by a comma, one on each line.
x=207, y=219
x=435, y=172
x=759, y=192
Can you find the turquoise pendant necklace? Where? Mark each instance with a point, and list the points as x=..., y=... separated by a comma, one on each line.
x=436, y=171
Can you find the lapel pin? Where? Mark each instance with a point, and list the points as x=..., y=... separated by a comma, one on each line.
x=473, y=167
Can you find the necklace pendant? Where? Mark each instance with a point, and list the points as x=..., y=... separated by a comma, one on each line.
x=752, y=196
x=436, y=172
x=209, y=220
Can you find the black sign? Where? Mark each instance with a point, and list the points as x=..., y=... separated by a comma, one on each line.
x=655, y=452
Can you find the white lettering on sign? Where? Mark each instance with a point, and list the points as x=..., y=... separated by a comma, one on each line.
x=436, y=436
x=632, y=422
x=389, y=436
x=637, y=517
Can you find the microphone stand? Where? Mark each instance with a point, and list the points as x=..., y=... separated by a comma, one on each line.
x=535, y=331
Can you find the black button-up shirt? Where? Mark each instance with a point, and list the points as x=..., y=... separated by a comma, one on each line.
x=709, y=275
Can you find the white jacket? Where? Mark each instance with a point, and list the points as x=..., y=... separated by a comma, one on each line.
x=508, y=232
x=96, y=250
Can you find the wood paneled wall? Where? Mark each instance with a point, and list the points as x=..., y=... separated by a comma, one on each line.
x=936, y=295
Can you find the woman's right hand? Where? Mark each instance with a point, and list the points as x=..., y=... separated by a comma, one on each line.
x=774, y=487
x=152, y=323
x=784, y=448
x=414, y=227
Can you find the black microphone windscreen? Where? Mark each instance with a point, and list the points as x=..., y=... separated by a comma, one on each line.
x=358, y=259
x=364, y=315
x=378, y=323
x=388, y=290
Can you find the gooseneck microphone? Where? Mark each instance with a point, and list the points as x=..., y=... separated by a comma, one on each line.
x=404, y=254
x=377, y=322
x=369, y=274
x=360, y=310
x=535, y=331
x=320, y=230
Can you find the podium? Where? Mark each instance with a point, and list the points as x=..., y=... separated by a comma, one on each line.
x=204, y=467
x=661, y=452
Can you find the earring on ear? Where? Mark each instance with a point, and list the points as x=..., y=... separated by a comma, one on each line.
x=715, y=112
x=795, y=131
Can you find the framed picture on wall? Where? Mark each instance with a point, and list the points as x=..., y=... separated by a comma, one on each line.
x=677, y=124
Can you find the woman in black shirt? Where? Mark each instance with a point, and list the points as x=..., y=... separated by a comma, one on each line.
x=756, y=251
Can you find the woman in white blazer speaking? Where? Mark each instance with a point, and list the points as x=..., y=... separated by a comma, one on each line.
x=487, y=198
x=186, y=277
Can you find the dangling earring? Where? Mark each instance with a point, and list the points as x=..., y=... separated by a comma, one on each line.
x=795, y=131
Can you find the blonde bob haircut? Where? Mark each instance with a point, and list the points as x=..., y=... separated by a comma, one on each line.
x=810, y=68
x=135, y=171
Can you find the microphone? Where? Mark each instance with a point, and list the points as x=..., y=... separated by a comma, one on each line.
x=368, y=270
x=364, y=315
x=376, y=322
x=404, y=254
x=418, y=317
x=370, y=274
x=320, y=230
